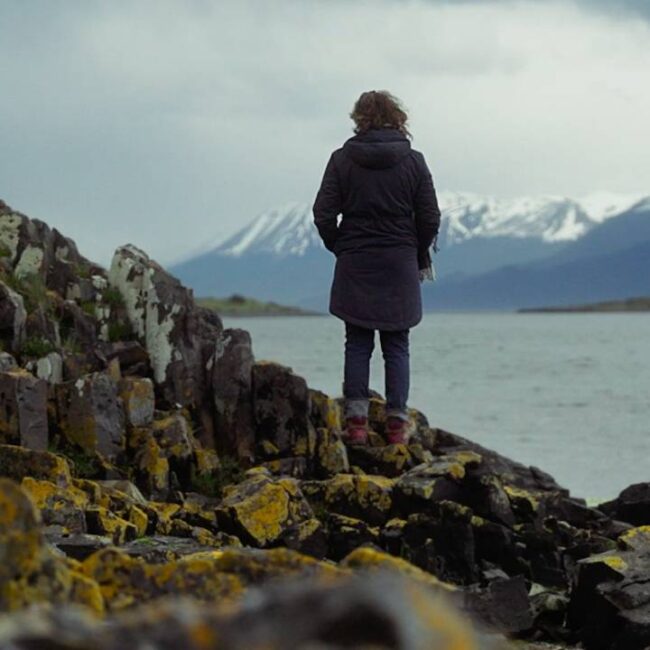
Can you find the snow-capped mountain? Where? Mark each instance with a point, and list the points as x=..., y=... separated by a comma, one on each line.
x=279, y=255
x=289, y=229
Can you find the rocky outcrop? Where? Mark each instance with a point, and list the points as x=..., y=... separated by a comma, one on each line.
x=148, y=457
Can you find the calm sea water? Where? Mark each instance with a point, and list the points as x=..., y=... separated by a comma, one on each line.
x=569, y=393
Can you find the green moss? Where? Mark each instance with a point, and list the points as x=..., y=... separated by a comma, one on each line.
x=212, y=483
x=120, y=331
x=88, y=307
x=82, y=271
x=81, y=464
x=70, y=344
x=113, y=298
x=36, y=347
x=33, y=290
x=5, y=251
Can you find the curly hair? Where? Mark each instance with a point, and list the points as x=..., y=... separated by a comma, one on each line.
x=376, y=109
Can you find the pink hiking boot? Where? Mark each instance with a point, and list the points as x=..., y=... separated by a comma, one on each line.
x=396, y=431
x=356, y=430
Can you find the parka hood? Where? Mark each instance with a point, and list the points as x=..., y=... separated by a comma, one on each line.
x=377, y=148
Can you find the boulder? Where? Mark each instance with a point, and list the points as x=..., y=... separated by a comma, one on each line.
x=610, y=595
x=91, y=414
x=12, y=318
x=23, y=409
x=280, y=406
x=263, y=511
x=179, y=336
x=30, y=572
x=230, y=369
x=35, y=249
x=364, y=497
x=632, y=505
x=137, y=396
x=18, y=463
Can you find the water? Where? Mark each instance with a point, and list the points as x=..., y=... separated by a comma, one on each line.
x=569, y=393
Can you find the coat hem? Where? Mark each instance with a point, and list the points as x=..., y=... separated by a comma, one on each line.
x=373, y=324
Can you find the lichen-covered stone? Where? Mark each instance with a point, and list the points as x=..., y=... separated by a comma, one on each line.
x=29, y=571
x=344, y=534
x=62, y=506
x=23, y=409
x=91, y=414
x=262, y=510
x=17, y=463
x=363, y=497
x=138, y=399
x=101, y=521
x=178, y=336
x=331, y=454
x=371, y=559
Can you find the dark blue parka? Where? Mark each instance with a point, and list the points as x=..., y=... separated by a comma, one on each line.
x=384, y=191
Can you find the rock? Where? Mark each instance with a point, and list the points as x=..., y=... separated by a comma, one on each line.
x=230, y=369
x=12, y=318
x=365, y=559
x=280, y=406
x=50, y=368
x=368, y=498
x=103, y=522
x=442, y=542
x=91, y=414
x=137, y=396
x=35, y=249
x=18, y=463
x=610, y=596
x=262, y=510
x=78, y=546
x=23, y=409
x=345, y=534
x=7, y=362
x=58, y=506
x=421, y=487
x=29, y=571
x=178, y=336
x=132, y=357
x=376, y=611
x=331, y=455
x=631, y=505
x=503, y=605
x=387, y=460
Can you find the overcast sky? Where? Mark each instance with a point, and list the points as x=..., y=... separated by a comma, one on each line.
x=169, y=124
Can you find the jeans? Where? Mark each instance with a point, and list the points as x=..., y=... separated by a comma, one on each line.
x=359, y=345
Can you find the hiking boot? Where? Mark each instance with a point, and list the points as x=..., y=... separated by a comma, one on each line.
x=396, y=431
x=356, y=430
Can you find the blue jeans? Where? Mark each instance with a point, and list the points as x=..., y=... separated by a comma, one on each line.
x=359, y=345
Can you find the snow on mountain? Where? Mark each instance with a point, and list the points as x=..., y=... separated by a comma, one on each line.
x=289, y=229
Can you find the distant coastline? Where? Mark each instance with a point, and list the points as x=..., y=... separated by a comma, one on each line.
x=629, y=305
x=243, y=306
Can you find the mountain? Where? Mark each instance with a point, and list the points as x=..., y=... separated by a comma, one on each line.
x=279, y=255
x=612, y=261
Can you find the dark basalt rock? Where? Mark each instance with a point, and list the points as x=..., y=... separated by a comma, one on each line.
x=632, y=505
x=23, y=409
x=281, y=406
x=231, y=369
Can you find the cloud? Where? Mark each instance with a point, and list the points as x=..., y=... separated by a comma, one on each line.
x=170, y=124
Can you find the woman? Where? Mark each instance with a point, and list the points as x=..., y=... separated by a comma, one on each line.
x=384, y=191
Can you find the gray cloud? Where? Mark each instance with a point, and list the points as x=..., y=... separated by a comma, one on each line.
x=171, y=124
